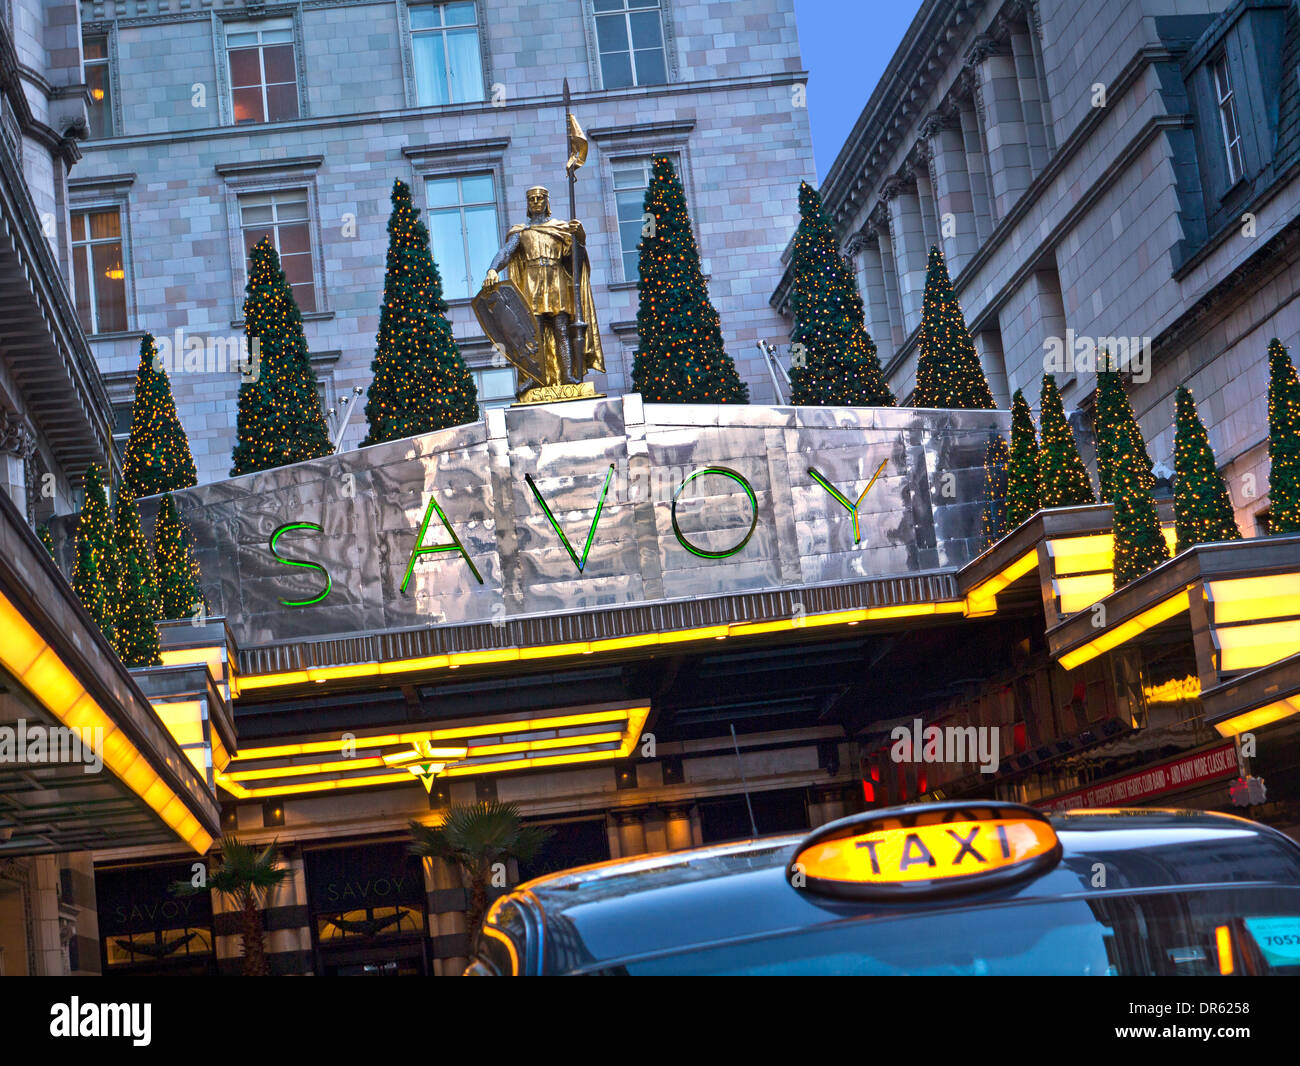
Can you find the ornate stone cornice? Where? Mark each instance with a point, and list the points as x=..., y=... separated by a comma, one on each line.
x=16, y=438
x=893, y=186
x=983, y=47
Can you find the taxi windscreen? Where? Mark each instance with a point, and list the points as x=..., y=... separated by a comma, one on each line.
x=1236, y=929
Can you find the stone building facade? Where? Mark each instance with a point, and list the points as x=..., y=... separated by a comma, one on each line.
x=1104, y=175
x=220, y=120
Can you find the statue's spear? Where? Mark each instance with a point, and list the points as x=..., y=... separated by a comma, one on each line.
x=577, y=156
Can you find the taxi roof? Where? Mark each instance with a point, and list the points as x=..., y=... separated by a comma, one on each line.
x=676, y=900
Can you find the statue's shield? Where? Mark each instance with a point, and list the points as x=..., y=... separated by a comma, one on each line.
x=511, y=325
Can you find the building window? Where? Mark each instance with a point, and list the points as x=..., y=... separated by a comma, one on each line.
x=630, y=40
x=445, y=45
x=122, y=414
x=496, y=387
x=263, y=71
x=95, y=52
x=283, y=216
x=631, y=179
x=463, y=230
x=98, y=273
x=1228, y=124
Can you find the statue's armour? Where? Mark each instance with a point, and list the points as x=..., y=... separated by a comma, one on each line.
x=546, y=283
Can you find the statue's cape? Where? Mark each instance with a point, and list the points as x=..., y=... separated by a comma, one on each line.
x=593, y=354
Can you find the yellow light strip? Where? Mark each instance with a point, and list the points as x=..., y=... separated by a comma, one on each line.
x=1251, y=646
x=549, y=651
x=213, y=656
x=1079, y=592
x=1082, y=555
x=635, y=718
x=982, y=600
x=38, y=667
x=1253, y=599
x=1114, y=637
x=1259, y=716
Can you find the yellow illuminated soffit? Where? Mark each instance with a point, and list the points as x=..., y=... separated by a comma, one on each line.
x=982, y=599
x=1125, y=631
x=484, y=748
x=353, y=671
x=1259, y=716
x=26, y=655
x=1254, y=599
x=1248, y=647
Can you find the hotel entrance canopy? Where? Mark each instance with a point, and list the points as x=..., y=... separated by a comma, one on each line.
x=130, y=784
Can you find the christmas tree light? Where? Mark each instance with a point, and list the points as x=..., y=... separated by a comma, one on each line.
x=179, y=595
x=1283, y=441
x=1124, y=469
x=948, y=371
x=137, y=598
x=157, y=457
x=997, y=458
x=1062, y=478
x=1022, y=467
x=680, y=357
x=837, y=363
x=419, y=383
x=94, y=577
x=280, y=419
x=1202, y=510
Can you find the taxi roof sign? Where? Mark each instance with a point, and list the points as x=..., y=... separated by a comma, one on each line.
x=925, y=849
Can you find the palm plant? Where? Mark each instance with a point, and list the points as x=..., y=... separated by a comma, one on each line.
x=247, y=877
x=474, y=837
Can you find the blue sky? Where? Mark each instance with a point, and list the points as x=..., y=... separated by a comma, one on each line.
x=846, y=45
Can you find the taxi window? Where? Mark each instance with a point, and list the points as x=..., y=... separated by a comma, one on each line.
x=1233, y=930
x=502, y=942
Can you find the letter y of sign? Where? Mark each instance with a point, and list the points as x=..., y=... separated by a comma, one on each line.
x=840, y=498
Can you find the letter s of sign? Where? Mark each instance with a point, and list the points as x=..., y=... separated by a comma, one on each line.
x=329, y=584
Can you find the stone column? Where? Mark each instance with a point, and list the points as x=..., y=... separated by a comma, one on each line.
x=893, y=301
x=875, y=305
x=445, y=901
x=925, y=194
x=908, y=239
x=988, y=343
x=972, y=141
x=17, y=447
x=1031, y=97
x=998, y=94
x=951, y=184
x=677, y=827
x=631, y=833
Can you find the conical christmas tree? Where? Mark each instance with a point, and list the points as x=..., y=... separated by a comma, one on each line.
x=280, y=419
x=948, y=371
x=137, y=598
x=681, y=357
x=838, y=365
x=94, y=577
x=1062, y=478
x=47, y=538
x=1118, y=436
x=1283, y=441
x=179, y=595
x=1022, y=468
x=1202, y=510
x=420, y=382
x=997, y=458
x=157, y=457
x=1127, y=480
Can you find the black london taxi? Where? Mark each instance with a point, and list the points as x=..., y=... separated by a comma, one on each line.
x=938, y=889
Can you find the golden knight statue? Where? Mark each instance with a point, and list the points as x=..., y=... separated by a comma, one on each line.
x=539, y=259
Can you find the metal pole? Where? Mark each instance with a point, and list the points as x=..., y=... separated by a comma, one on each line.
x=577, y=333
x=743, y=783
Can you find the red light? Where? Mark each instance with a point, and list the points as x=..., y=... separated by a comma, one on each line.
x=868, y=792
